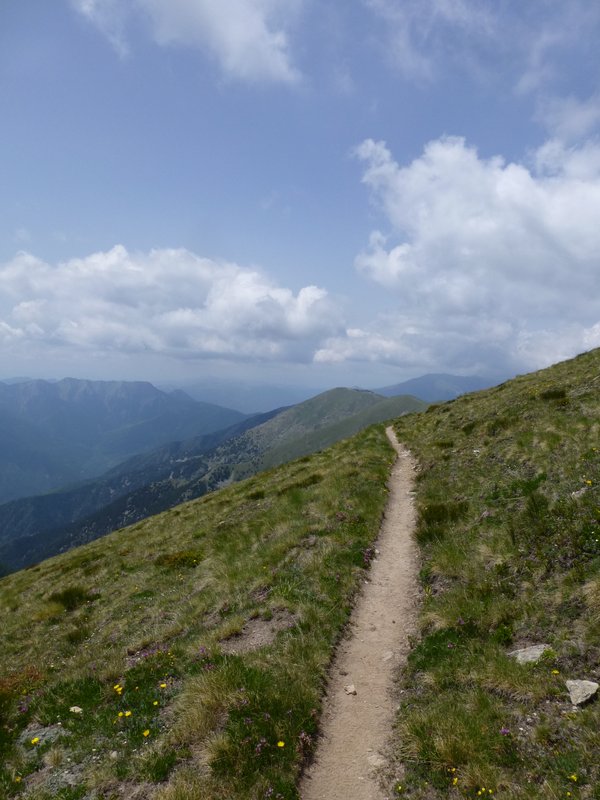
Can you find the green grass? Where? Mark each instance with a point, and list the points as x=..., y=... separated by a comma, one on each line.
x=509, y=525
x=139, y=629
x=131, y=630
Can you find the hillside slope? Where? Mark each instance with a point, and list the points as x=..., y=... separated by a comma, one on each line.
x=436, y=387
x=510, y=529
x=200, y=637
x=184, y=657
x=36, y=528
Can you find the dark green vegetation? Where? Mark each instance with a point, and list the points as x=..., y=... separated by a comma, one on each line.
x=510, y=531
x=184, y=657
x=38, y=527
x=56, y=433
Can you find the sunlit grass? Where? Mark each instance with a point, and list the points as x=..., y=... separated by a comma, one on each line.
x=132, y=629
x=510, y=533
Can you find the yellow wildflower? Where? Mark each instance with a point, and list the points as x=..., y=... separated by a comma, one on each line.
x=128, y=713
x=146, y=732
x=280, y=744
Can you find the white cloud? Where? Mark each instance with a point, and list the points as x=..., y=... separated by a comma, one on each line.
x=110, y=16
x=554, y=45
x=406, y=341
x=533, y=47
x=248, y=38
x=166, y=302
x=422, y=34
x=569, y=118
x=485, y=257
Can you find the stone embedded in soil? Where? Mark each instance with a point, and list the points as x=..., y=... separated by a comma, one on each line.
x=529, y=655
x=350, y=689
x=581, y=691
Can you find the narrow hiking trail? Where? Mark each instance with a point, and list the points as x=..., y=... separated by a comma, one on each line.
x=356, y=727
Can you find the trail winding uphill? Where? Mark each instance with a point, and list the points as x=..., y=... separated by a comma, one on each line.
x=359, y=706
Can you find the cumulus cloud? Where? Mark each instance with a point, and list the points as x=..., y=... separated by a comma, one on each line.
x=248, y=38
x=165, y=302
x=488, y=259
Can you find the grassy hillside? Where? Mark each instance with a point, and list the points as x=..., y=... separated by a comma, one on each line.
x=437, y=387
x=510, y=530
x=384, y=409
x=184, y=657
x=305, y=428
x=38, y=527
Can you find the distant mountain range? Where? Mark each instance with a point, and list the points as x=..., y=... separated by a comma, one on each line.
x=245, y=396
x=80, y=458
x=55, y=433
x=439, y=386
x=37, y=527
x=252, y=398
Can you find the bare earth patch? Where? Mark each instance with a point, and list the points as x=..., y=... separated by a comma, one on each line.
x=258, y=633
x=359, y=706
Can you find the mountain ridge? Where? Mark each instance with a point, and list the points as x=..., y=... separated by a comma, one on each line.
x=438, y=387
x=149, y=483
x=60, y=432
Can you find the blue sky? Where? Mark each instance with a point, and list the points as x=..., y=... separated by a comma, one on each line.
x=309, y=192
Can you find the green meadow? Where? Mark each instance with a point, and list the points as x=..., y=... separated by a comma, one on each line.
x=185, y=657
x=509, y=527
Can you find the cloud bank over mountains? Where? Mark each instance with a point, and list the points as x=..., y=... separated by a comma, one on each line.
x=481, y=254
x=165, y=302
x=461, y=236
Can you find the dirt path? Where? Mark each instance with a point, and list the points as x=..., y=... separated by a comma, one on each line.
x=356, y=728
